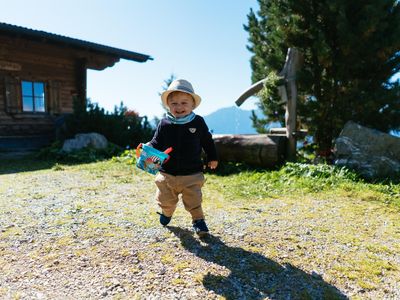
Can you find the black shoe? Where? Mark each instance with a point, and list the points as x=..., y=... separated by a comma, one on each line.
x=164, y=220
x=200, y=227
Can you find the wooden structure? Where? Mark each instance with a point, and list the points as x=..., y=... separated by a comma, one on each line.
x=40, y=74
x=267, y=150
x=260, y=150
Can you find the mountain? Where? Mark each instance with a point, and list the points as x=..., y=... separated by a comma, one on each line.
x=231, y=120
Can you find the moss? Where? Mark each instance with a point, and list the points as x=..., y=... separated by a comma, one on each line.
x=167, y=259
x=366, y=285
x=12, y=231
x=178, y=281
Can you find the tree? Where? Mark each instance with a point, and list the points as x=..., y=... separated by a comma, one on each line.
x=351, y=50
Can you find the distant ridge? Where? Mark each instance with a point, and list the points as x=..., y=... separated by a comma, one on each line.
x=231, y=120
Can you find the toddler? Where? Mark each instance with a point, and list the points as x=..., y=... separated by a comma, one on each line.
x=182, y=175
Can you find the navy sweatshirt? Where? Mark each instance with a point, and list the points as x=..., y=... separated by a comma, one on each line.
x=187, y=141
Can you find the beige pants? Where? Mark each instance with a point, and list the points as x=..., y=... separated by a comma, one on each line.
x=170, y=187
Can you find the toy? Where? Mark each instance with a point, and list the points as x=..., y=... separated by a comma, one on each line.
x=151, y=159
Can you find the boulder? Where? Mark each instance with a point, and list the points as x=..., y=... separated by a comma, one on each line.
x=371, y=153
x=83, y=140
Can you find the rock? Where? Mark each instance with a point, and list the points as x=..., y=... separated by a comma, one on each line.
x=83, y=140
x=371, y=153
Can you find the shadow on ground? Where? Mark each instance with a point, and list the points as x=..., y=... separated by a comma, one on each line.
x=231, y=168
x=16, y=163
x=253, y=276
x=29, y=163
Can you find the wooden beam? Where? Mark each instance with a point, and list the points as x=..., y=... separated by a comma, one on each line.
x=81, y=78
x=251, y=91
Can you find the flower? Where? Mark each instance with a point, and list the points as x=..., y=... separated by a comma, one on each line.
x=131, y=113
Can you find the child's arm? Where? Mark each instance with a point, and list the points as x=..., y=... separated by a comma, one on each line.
x=208, y=145
x=155, y=141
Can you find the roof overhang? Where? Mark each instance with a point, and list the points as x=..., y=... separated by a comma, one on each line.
x=87, y=48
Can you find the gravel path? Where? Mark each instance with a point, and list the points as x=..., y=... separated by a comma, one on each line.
x=92, y=232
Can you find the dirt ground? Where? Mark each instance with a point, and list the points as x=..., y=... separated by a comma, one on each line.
x=92, y=232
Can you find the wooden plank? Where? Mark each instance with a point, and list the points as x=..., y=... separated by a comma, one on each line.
x=48, y=52
x=9, y=66
x=24, y=143
x=12, y=91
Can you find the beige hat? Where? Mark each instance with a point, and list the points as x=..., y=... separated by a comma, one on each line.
x=180, y=85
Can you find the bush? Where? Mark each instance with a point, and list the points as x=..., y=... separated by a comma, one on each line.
x=123, y=127
x=84, y=155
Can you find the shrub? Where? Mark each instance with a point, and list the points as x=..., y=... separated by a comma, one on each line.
x=84, y=155
x=123, y=127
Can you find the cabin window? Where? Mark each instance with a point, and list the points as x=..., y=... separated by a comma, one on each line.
x=33, y=97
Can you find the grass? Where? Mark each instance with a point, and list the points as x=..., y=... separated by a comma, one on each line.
x=303, y=179
x=317, y=219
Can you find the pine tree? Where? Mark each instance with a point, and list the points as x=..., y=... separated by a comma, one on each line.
x=351, y=51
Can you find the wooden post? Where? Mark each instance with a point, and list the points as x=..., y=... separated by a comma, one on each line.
x=289, y=95
x=81, y=80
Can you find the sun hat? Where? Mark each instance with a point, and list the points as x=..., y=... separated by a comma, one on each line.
x=180, y=85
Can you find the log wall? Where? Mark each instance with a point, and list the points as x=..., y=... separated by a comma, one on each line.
x=62, y=69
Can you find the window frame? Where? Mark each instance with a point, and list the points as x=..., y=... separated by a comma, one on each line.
x=33, y=97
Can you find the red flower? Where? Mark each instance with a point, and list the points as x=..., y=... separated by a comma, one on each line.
x=131, y=113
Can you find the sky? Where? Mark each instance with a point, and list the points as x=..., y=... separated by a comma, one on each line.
x=201, y=41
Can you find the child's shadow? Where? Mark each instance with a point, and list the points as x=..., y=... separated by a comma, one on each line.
x=251, y=275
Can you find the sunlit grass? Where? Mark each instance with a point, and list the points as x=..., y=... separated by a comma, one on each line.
x=301, y=179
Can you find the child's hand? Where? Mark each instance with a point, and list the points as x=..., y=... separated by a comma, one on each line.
x=212, y=164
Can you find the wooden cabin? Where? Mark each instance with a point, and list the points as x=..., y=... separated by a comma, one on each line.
x=40, y=74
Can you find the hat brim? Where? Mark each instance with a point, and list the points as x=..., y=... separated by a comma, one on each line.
x=164, y=97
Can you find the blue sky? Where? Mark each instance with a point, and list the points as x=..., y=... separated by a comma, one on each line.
x=202, y=41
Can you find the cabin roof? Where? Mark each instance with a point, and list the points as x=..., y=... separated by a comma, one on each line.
x=51, y=38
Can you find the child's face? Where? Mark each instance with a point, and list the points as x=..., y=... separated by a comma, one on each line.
x=180, y=104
